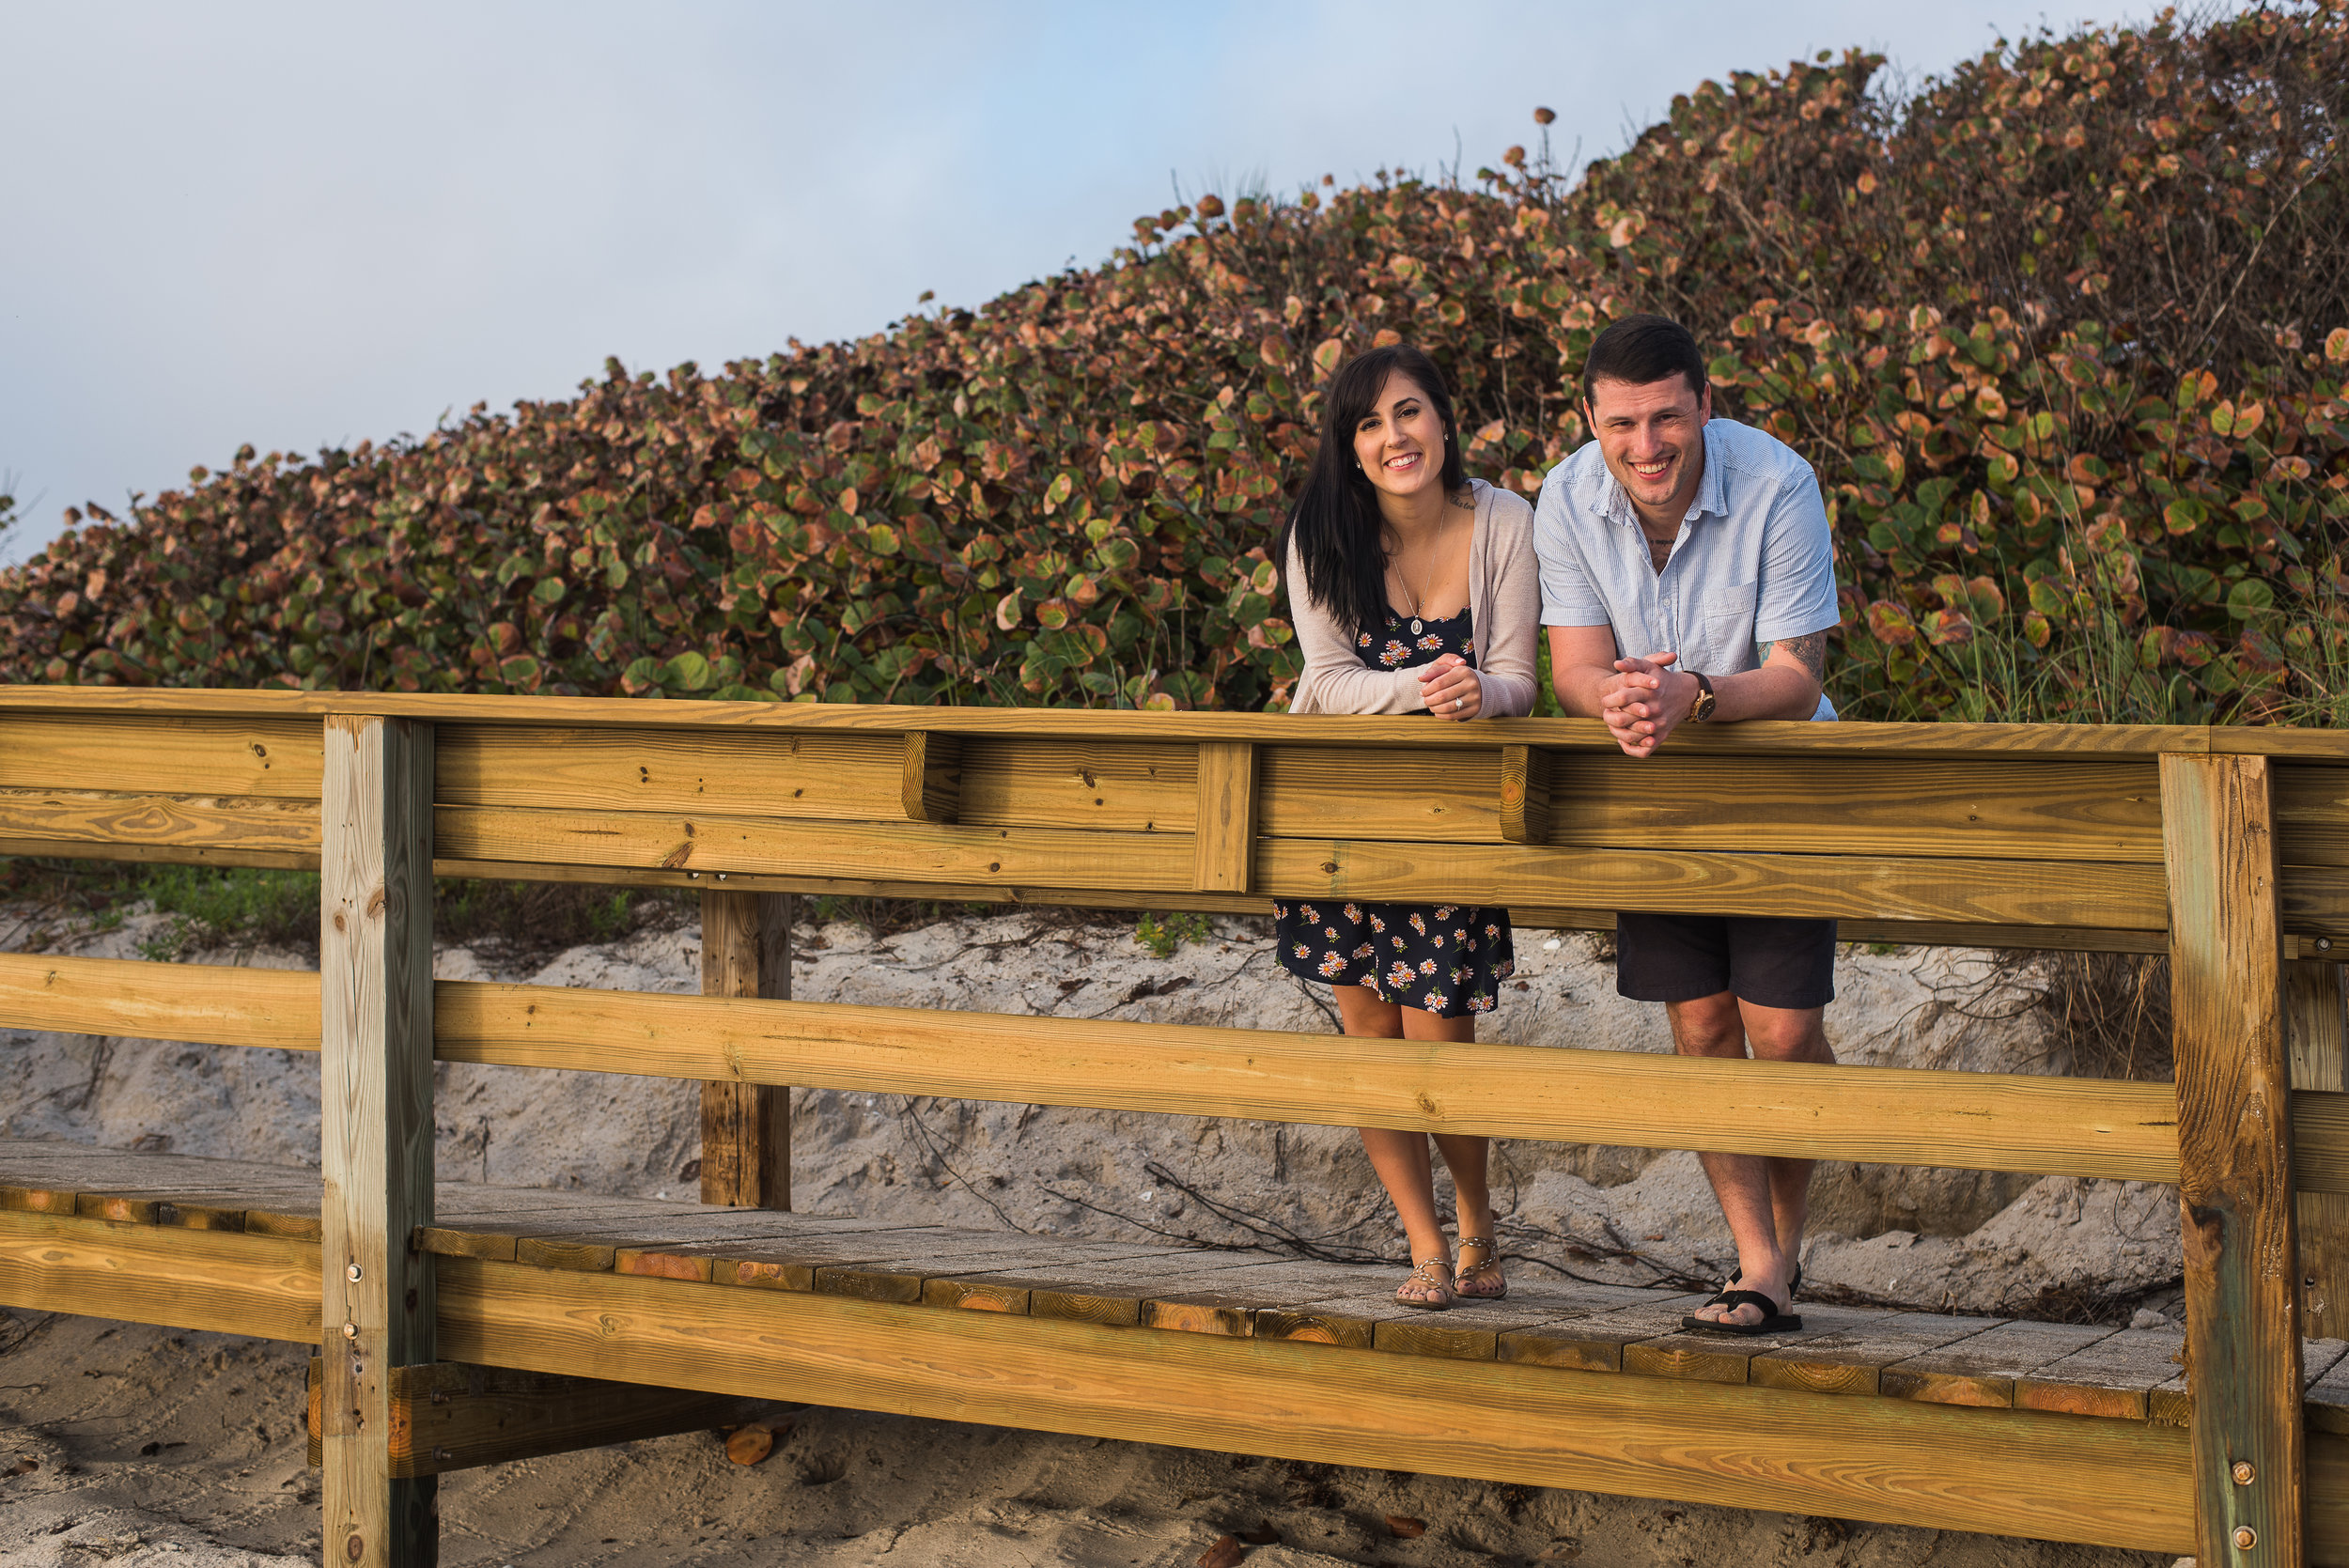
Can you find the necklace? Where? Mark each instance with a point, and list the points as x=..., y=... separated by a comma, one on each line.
x=1434, y=555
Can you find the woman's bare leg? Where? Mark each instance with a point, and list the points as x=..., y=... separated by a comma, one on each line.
x=1400, y=1158
x=1464, y=1155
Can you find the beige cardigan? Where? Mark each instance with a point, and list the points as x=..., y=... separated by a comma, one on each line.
x=1504, y=591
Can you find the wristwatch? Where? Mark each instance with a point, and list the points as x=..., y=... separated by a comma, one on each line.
x=1705, y=699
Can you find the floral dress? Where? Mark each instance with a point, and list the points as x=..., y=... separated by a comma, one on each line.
x=1448, y=959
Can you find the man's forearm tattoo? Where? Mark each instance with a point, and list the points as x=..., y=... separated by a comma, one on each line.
x=1810, y=648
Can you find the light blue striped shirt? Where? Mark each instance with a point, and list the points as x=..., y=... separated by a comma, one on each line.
x=1754, y=561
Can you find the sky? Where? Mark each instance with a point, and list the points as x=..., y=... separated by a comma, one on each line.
x=301, y=225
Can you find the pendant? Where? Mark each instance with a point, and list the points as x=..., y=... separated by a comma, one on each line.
x=1414, y=627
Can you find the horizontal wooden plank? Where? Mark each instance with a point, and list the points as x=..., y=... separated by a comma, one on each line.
x=1852, y=1360
x=2117, y=1483
x=188, y=828
x=1994, y=809
x=1903, y=932
x=1976, y=1121
x=912, y=852
x=219, y=1004
x=827, y=776
x=2112, y=1377
x=1989, y=809
x=1761, y=737
x=1990, y=893
x=2278, y=740
x=1013, y=895
x=2326, y=1489
x=448, y=1416
x=222, y=1281
x=2316, y=900
x=282, y=756
x=1408, y=793
x=1124, y=786
x=1982, y=1370
x=2319, y=1140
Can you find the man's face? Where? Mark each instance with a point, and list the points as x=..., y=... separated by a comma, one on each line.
x=1651, y=434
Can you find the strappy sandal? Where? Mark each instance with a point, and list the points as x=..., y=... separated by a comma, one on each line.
x=1497, y=1289
x=1425, y=1274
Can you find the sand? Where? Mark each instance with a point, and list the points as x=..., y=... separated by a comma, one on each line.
x=154, y=1446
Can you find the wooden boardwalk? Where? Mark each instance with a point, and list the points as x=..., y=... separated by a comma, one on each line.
x=61, y=1205
x=500, y=1320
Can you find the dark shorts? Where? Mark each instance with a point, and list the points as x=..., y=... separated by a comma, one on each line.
x=1770, y=963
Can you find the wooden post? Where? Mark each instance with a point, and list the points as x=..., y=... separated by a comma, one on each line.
x=2319, y=1031
x=1226, y=829
x=746, y=1128
x=2234, y=1160
x=375, y=1103
x=1524, y=794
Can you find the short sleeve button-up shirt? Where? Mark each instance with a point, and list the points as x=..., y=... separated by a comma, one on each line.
x=1754, y=561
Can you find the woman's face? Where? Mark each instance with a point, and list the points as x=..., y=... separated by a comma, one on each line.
x=1400, y=443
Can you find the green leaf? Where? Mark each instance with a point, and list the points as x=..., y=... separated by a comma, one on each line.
x=687, y=672
x=2249, y=598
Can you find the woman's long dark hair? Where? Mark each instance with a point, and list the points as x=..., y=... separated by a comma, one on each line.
x=1339, y=532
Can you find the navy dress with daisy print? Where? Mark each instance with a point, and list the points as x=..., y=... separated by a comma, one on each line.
x=1448, y=959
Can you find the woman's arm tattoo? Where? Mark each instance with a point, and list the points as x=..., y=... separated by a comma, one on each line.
x=1810, y=650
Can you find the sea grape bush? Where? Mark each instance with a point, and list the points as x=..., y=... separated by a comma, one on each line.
x=2065, y=332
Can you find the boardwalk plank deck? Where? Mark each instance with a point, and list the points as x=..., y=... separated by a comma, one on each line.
x=2113, y=1377
x=1921, y=1357
x=1982, y=1369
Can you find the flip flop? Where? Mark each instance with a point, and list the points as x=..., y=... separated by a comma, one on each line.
x=1773, y=1321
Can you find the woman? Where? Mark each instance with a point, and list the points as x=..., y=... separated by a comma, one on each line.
x=1413, y=589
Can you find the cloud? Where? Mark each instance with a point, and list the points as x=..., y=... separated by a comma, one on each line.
x=298, y=226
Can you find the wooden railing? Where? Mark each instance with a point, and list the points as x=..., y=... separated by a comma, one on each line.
x=2228, y=848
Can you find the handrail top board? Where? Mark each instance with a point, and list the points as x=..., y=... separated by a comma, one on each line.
x=2121, y=742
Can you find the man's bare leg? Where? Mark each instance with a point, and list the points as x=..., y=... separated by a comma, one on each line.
x=1765, y=1199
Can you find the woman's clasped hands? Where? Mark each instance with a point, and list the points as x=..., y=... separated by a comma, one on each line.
x=1451, y=688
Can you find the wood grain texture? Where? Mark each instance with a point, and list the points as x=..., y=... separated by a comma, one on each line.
x=1852, y=1360
x=842, y=777
x=220, y=1281
x=2234, y=1153
x=1422, y=795
x=1986, y=809
x=2119, y=742
x=921, y=854
x=2319, y=1030
x=1992, y=892
x=226, y=755
x=1725, y=1358
x=746, y=1128
x=1226, y=836
x=1965, y=1120
x=1113, y=787
x=187, y=829
x=1982, y=1370
x=1525, y=794
x=2328, y=1500
x=930, y=776
x=2319, y=1140
x=2112, y=1377
x=2112, y=1482
x=375, y=1100
x=219, y=1004
x=450, y=1416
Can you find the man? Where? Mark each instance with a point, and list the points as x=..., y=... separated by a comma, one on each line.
x=1687, y=577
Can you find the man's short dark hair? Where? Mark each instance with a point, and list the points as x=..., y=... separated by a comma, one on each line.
x=1641, y=350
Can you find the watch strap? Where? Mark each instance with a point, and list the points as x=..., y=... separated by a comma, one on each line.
x=1706, y=699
